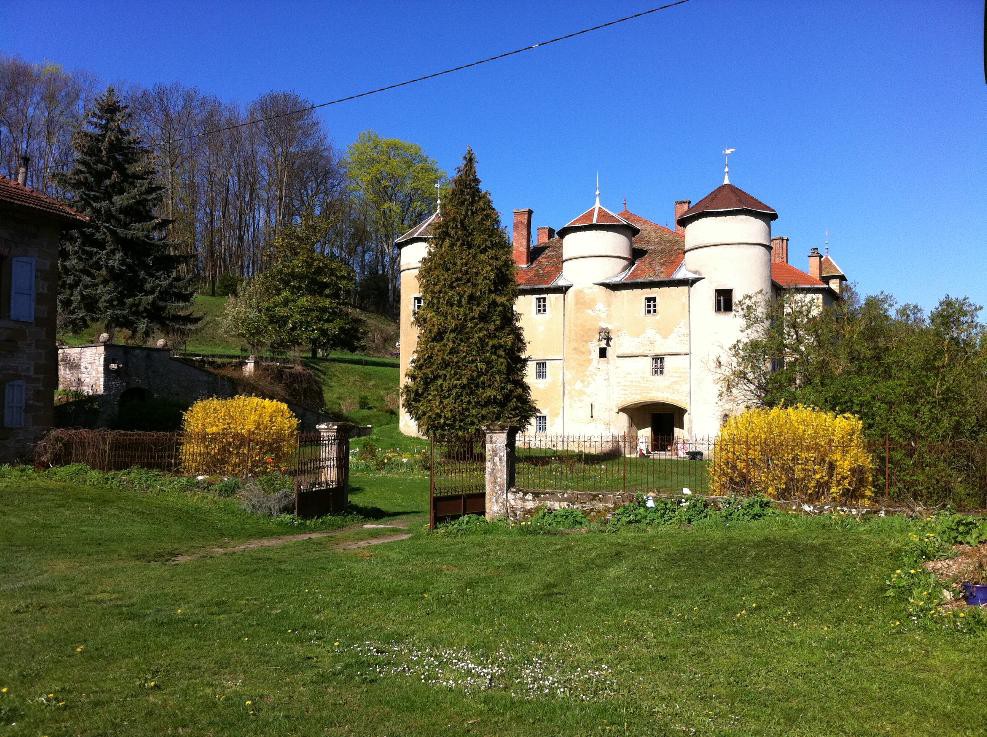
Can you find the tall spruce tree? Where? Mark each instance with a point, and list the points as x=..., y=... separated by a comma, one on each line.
x=469, y=366
x=118, y=268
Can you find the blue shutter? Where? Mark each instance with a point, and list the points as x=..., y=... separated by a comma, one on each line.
x=22, y=288
x=13, y=404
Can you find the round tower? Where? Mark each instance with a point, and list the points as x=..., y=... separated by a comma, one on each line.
x=728, y=245
x=597, y=245
x=413, y=246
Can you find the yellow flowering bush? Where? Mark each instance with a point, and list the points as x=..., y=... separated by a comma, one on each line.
x=793, y=454
x=242, y=436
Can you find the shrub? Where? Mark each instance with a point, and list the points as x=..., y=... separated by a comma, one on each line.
x=558, y=519
x=242, y=436
x=271, y=494
x=794, y=454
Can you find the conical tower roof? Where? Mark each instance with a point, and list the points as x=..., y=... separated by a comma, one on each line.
x=725, y=199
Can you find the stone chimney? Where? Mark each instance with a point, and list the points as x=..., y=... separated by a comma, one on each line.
x=22, y=171
x=545, y=234
x=815, y=263
x=779, y=249
x=680, y=207
x=522, y=236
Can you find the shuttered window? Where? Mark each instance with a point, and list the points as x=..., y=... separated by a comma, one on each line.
x=22, y=288
x=13, y=404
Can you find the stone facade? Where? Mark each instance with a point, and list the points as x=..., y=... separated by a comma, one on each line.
x=28, y=293
x=109, y=371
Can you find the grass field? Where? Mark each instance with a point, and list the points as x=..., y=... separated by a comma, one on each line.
x=778, y=627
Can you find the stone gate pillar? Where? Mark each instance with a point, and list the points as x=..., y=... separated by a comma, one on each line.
x=333, y=454
x=499, y=470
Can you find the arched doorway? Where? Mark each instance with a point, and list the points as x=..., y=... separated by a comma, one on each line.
x=657, y=424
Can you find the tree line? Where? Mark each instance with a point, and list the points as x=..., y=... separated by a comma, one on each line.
x=229, y=190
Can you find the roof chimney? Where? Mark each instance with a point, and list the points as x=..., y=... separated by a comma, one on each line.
x=22, y=171
x=680, y=207
x=815, y=263
x=545, y=234
x=779, y=249
x=522, y=236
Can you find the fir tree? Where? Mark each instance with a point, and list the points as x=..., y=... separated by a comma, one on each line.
x=469, y=367
x=119, y=268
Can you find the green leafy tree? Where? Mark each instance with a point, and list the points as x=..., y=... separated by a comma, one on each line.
x=119, y=268
x=394, y=183
x=244, y=316
x=302, y=298
x=469, y=367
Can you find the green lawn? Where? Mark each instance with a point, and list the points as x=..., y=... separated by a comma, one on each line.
x=778, y=627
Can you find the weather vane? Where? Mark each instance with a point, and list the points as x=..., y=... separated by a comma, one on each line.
x=726, y=164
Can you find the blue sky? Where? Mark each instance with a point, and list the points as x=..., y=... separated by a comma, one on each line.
x=863, y=118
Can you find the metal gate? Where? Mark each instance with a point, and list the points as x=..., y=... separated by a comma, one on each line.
x=457, y=478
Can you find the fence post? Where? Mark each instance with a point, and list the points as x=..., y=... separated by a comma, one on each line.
x=500, y=469
x=331, y=472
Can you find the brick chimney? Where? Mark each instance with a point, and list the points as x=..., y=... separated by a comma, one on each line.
x=680, y=207
x=522, y=236
x=779, y=249
x=545, y=234
x=22, y=171
x=815, y=263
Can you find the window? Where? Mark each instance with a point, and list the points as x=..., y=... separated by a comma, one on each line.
x=541, y=305
x=650, y=305
x=541, y=370
x=657, y=365
x=724, y=300
x=603, y=351
x=22, y=288
x=541, y=423
x=13, y=404
x=416, y=304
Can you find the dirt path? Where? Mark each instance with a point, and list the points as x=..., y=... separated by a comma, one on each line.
x=271, y=542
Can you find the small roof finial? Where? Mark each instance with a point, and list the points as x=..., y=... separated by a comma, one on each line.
x=438, y=196
x=726, y=164
x=827, y=241
x=597, y=189
x=625, y=203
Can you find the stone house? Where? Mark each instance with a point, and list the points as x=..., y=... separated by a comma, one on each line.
x=30, y=227
x=627, y=321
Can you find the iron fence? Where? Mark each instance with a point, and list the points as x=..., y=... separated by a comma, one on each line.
x=457, y=477
x=925, y=474
x=313, y=460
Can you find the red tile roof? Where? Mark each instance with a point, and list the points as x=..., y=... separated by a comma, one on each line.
x=657, y=250
x=424, y=229
x=788, y=277
x=545, y=266
x=828, y=267
x=597, y=215
x=17, y=194
x=727, y=198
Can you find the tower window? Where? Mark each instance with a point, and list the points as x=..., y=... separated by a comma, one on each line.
x=541, y=370
x=657, y=365
x=541, y=423
x=541, y=305
x=416, y=304
x=724, y=300
x=650, y=305
x=603, y=351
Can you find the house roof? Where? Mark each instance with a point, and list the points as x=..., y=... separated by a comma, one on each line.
x=424, y=229
x=597, y=215
x=789, y=277
x=545, y=266
x=727, y=198
x=14, y=193
x=828, y=267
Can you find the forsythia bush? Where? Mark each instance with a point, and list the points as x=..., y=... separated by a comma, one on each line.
x=793, y=454
x=242, y=436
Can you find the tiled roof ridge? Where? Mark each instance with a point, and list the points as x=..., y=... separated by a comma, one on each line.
x=15, y=193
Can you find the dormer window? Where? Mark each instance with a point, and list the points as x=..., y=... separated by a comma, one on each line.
x=541, y=305
x=723, y=300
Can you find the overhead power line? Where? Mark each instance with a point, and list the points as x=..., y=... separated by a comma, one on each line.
x=450, y=70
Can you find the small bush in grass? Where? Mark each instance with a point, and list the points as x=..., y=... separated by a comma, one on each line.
x=795, y=454
x=242, y=436
x=271, y=494
x=468, y=524
x=558, y=519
